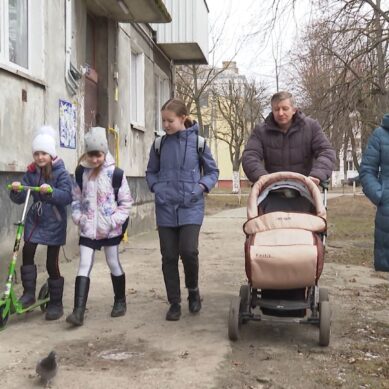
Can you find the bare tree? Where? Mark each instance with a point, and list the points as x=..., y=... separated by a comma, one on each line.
x=239, y=106
x=342, y=71
x=193, y=82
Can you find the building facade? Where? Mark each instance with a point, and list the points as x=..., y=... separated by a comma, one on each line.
x=76, y=64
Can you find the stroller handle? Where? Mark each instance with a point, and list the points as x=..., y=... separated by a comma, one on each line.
x=32, y=188
x=325, y=184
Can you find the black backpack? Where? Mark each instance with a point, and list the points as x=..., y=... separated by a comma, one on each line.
x=158, y=143
x=117, y=178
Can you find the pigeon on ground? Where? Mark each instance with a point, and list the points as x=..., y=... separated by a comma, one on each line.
x=47, y=368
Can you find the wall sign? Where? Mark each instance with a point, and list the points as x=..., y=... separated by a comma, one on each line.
x=67, y=124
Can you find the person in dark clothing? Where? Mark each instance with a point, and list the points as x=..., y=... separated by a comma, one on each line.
x=374, y=175
x=178, y=174
x=46, y=219
x=288, y=141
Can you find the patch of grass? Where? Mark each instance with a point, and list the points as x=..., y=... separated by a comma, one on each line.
x=350, y=230
x=244, y=190
x=215, y=203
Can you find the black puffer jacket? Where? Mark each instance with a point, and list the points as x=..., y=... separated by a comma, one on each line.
x=303, y=149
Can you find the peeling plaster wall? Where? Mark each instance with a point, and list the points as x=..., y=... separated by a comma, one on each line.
x=18, y=118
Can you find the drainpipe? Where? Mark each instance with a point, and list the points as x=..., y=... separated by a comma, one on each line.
x=72, y=75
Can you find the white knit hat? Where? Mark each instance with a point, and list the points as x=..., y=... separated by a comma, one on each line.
x=96, y=140
x=44, y=140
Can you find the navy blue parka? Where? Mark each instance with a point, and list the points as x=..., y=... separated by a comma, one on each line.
x=374, y=175
x=175, y=176
x=46, y=219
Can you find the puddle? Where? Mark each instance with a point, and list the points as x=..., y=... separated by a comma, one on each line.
x=118, y=355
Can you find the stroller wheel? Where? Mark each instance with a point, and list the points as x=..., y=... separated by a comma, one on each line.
x=244, y=294
x=43, y=294
x=325, y=323
x=323, y=295
x=233, y=319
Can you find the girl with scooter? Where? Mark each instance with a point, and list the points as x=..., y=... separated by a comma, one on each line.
x=101, y=206
x=46, y=219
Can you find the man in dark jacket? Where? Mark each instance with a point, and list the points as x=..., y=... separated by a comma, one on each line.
x=288, y=141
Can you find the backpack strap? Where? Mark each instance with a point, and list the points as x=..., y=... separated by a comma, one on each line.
x=117, y=178
x=158, y=144
x=200, y=151
x=200, y=145
x=201, y=142
x=78, y=174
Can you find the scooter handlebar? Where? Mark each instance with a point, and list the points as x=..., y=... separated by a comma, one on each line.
x=32, y=188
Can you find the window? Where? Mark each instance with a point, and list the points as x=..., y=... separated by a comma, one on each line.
x=350, y=165
x=18, y=32
x=21, y=35
x=137, y=99
x=162, y=94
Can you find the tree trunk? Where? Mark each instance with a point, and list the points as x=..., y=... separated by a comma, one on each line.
x=381, y=71
x=353, y=149
x=345, y=151
x=235, y=182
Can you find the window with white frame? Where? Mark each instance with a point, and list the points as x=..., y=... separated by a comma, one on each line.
x=162, y=93
x=21, y=35
x=137, y=86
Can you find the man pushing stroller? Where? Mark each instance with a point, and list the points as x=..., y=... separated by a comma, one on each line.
x=288, y=141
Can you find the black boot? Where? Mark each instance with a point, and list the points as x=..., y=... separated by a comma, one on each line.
x=194, y=300
x=55, y=308
x=174, y=312
x=80, y=297
x=28, y=275
x=119, y=289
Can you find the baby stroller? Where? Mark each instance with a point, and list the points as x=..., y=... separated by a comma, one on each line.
x=284, y=254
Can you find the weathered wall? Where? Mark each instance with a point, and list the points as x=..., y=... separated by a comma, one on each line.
x=19, y=119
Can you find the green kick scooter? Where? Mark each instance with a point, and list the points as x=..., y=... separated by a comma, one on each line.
x=9, y=303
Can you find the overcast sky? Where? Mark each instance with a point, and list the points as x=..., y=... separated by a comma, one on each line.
x=245, y=17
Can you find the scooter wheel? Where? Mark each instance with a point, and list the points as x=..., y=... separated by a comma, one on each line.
x=3, y=317
x=43, y=295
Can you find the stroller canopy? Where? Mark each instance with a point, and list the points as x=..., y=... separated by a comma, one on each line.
x=304, y=185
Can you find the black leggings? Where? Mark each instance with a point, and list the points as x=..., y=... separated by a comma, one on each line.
x=179, y=242
x=51, y=260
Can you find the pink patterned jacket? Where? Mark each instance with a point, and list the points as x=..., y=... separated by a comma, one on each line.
x=95, y=210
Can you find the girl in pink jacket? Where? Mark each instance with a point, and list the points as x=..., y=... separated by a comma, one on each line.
x=100, y=214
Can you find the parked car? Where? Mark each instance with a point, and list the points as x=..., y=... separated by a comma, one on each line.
x=356, y=179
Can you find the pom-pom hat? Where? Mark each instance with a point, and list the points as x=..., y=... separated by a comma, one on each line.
x=96, y=140
x=44, y=140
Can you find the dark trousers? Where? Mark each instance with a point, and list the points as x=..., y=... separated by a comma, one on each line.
x=51, y=259
x=179, y=242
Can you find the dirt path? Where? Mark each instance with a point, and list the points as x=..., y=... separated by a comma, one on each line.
x=142, y=350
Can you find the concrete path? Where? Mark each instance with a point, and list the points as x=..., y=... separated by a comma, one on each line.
x=142, y=350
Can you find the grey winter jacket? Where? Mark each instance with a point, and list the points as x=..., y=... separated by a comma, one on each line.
x=46, y=219
x=175, y=177
x=374, y=174
x=303, y=149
